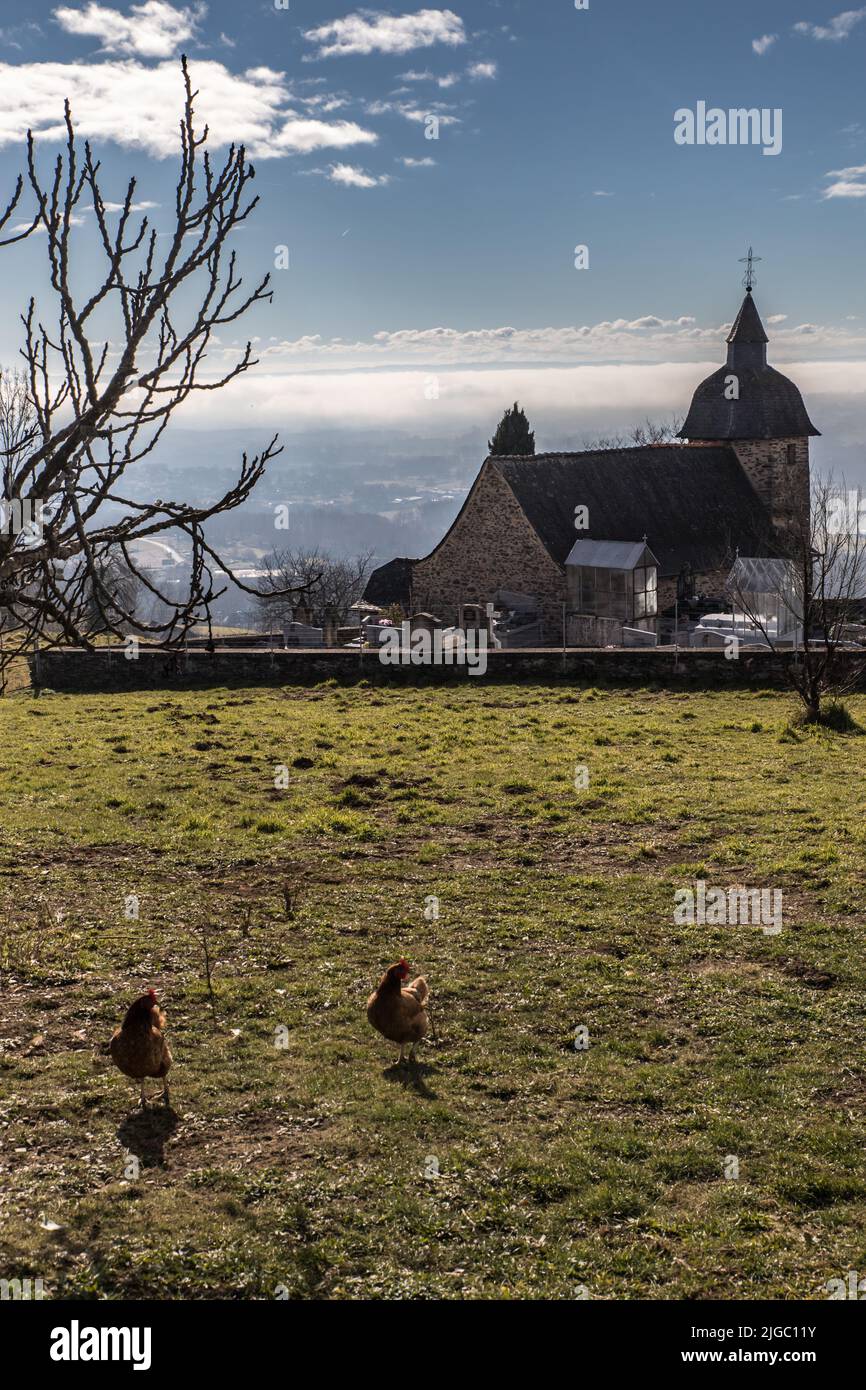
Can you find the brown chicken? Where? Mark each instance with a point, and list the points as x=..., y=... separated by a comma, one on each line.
x=399, y=1012
x=138, y=1046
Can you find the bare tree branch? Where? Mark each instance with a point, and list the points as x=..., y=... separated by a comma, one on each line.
x=329, y=586
x=91, y=401
x=819, y=593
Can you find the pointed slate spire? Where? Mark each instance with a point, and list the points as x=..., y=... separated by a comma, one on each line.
x=767, y=404
x=747, y=341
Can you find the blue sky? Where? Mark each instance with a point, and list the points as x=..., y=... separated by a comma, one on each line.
x=455, y=256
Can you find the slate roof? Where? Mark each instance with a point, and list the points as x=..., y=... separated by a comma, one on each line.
x=390, y=583
x=769, y=405
x=747, y=326
x=693, y=503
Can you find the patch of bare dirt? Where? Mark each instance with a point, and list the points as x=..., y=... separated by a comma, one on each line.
x=187, y=1142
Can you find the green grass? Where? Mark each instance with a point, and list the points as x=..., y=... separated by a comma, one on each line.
x=511, y=1164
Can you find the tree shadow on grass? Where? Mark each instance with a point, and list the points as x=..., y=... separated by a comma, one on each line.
x=411, y=1077
x=144, y=1133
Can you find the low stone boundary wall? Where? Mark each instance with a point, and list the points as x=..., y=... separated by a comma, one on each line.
x=71, y=669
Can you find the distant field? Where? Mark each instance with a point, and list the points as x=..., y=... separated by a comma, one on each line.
x=313, y=1168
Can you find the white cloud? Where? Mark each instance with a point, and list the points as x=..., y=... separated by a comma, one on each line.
x=74, y=221
x=648, y=338
x=562, y=396
x=607, y=376
x=11, y=35
x=445, y=81
x=845, y=189
x=300, y=136
x=777, y=318
x=482, y=70
x=324, y=102
x=451, y=347
x=569, y=403
x=762, y=44
x=150, y=30
x=652, y=321
x=352, y=177
x=370, y=31
x=411, y=163
x=838, y=28
x=412, y=113
x=850, y=183
x=138, y=106
x=601, y=193
x=144, y=206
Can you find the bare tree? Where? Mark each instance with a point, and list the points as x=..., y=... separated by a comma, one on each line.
x=657, y=431
x=639, y=436
x=115, y=589
x=17, y=418
x=814, y=592
x=102, y=376
x=330, y=586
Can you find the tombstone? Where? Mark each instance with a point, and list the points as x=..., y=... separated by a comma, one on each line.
x=424, y=622
x=475, y=617
x=298, y=634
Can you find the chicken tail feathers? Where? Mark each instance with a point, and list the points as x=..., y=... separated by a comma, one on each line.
x=419, y=988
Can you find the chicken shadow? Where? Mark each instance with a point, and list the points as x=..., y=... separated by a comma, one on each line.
x=145, y=1133
x=411, y=1077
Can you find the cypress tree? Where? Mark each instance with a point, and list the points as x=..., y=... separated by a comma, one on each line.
x=513, y=435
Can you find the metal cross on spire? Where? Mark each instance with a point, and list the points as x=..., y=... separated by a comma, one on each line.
x=749, y=262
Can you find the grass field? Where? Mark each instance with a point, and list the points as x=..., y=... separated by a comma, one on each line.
x=510, y=1163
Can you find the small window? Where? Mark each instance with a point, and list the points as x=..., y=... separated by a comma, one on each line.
x=645, y=591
